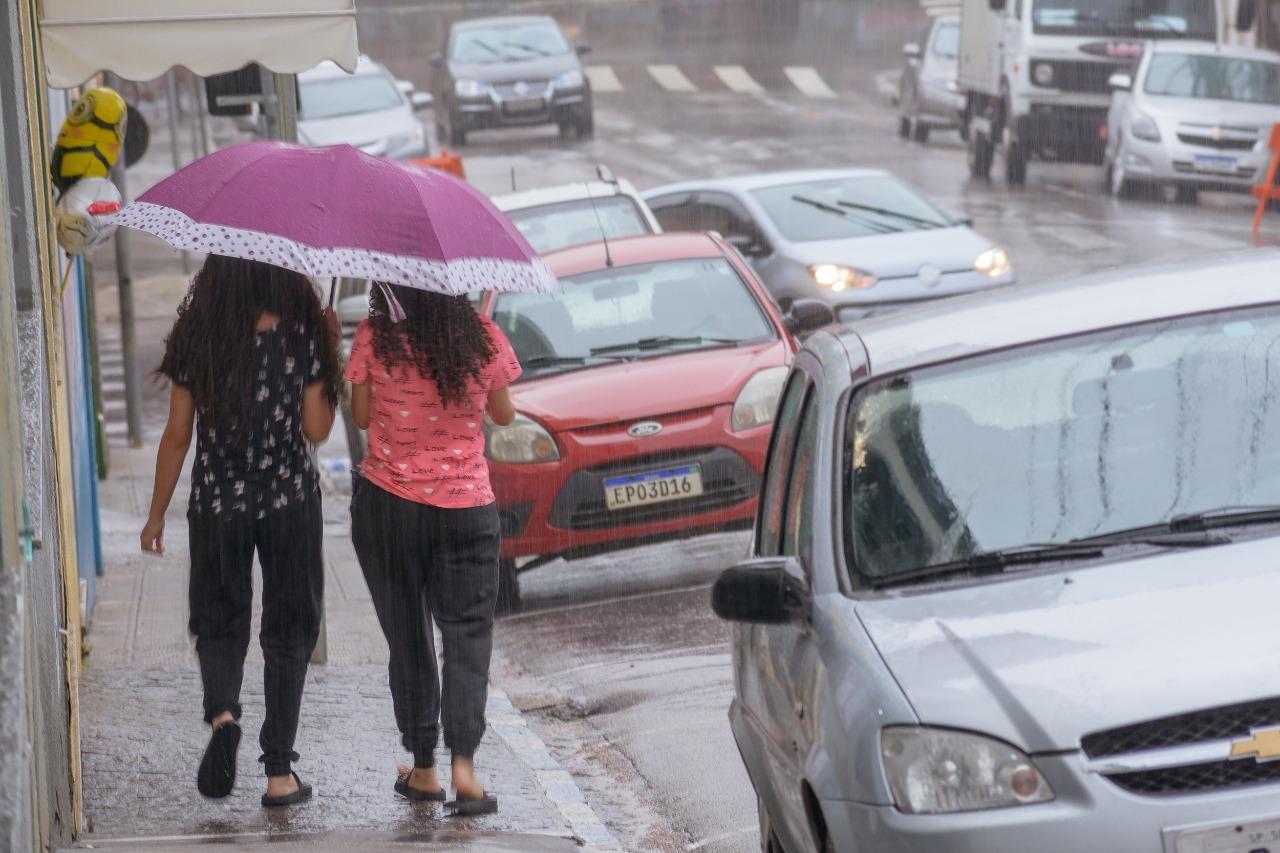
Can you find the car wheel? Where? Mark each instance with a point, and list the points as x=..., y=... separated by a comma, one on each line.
x=919, y=131
x=586, y=125
x=457, y=136
x=1186, y=194
x=980, y=152
x=1015, y=163
x=1118, y=183
x=509, y=600
x=904, y=127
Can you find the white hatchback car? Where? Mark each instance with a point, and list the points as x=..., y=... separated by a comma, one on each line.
x=369, y=109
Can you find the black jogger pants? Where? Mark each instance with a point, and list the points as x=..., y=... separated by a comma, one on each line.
x=421, y=563
x=288, y=543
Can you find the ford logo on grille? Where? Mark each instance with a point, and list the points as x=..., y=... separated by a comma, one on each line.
x=643, y=428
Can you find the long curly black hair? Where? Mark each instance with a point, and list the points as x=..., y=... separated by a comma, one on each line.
x=210, y=350
x=441, y=337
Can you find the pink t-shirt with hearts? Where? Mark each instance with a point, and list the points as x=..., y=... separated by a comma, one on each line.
x=418, y=449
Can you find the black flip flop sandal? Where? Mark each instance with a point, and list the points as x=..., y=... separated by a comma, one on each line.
x=299, y=796
x=466, y=807
x=404, y=789
x=217, y=774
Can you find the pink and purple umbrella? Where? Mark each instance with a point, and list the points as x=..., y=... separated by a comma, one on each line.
x=336, y=211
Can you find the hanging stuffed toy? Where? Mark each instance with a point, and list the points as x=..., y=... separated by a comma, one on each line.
x=87, y=146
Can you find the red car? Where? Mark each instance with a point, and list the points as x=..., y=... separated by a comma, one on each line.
x=648, y=394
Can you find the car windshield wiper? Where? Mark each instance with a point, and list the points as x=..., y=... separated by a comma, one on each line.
x=1225, y=516
x=530, y=48
x=881, y=227
x=994, y=562
x=559, y=360
x=661, y=342
x=884, y=211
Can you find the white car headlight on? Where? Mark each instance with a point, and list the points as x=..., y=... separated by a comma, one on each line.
x=522, y=441
x=757, y=402
x=993, y=263
x=837, y=277
x=470, y=89
x=936, y=771
x=569, y=80
x=1042, y=73
x=1144, y=127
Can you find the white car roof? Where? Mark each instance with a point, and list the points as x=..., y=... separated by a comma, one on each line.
x=568, y=192
x=328, y=69
x=1209, y=48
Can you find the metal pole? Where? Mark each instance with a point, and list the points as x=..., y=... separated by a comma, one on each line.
x=171, y=92
x=202, y=123
x=124, y=290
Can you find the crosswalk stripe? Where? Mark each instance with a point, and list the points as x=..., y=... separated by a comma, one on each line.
x=671, y=78
x=603, y=78
x=738, y=80
x=1078, y=238
x=111, y=386
x=808, y=81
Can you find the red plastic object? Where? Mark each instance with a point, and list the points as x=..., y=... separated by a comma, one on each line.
x=100, y=207
x=446, y=162
x=1268, y=190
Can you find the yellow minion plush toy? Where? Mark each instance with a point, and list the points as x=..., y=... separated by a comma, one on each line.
x=89, y=142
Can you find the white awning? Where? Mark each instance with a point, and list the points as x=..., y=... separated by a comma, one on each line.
x=142, y=39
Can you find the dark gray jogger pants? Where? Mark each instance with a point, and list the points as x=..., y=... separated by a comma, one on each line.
x=421, y=563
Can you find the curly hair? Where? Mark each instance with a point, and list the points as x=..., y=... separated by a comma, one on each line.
x=441, y=337
x=210, y=350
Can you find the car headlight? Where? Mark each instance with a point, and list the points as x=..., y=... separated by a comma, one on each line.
x=836, y=277
x=569, y=80
x=757, y=402
x=1144, y=127
x=1042, y=74
x=934, y=771
x=953, y=85
x=470, y=89
x=993, y=263
x=522, y=441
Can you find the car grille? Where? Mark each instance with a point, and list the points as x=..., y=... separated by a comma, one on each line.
x=1215, y=724
x=727, y=479
x=1069, y=76
x=1221, y=139
x=532, y=89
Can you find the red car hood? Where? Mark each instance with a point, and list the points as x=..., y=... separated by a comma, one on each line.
x=627, y=391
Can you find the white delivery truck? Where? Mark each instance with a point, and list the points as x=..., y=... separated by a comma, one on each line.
x=1035, y=72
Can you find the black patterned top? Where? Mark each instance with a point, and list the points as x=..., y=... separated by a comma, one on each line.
x=270, y=465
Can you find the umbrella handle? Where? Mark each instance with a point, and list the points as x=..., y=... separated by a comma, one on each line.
x=333, y=289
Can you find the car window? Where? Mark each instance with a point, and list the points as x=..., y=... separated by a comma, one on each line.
x=824, y=209
x=797, y=531
x=946, y=41
x=1219, y=78
x=686, y=303
x=340, y=96
x=674, y=212
x=778, y=469
x=725, y=215
x=1078, y=438
x=507, y=43
x=571, y=223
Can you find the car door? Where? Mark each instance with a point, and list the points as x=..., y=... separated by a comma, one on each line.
x=787, y=655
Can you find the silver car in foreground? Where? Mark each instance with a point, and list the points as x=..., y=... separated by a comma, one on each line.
x=861, y=240
x=1193, y=116
x=1015, y=574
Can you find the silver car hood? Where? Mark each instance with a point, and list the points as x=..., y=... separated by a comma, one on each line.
x=1204, y=111
x=367, y=131
x=1041, y=661
x=893, y=255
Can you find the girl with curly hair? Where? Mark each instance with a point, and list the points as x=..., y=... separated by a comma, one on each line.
x=256, y=374
x=426, y=369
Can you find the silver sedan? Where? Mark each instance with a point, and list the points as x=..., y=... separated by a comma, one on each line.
x=1014, y=575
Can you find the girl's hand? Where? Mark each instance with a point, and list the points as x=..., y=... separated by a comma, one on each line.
x=331, y=322
x=153, y=536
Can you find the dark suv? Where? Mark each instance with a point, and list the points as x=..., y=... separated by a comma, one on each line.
x=510, y=72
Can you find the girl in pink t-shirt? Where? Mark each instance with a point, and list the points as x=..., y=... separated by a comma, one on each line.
x=423, y=519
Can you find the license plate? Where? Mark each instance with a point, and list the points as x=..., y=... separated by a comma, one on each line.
x=526, y=105
x=652, y=487
x=1216, y=164
x=1259, y=836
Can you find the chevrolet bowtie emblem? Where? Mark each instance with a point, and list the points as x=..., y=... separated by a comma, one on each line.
x=1262, y=744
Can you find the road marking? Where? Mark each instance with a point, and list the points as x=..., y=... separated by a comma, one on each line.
x=603, y=79
x=808, y=81
x=738, y=80
x=742, y=830
x=1078, y=238
x=113, y=386
x=671, y=78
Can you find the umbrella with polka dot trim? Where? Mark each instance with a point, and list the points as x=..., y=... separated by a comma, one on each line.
x=336, y=211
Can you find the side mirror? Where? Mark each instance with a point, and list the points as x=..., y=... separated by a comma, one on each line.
x=584, y=49
x=911, y=50
x=749, y=246
x=1121, y=81
x=437, y=60
x=405, y=87
x=996, y=5
x=805, y=315
x=766, y=591
x=421, y=101
x=959, y=219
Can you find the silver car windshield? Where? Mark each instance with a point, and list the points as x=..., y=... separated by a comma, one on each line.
x=836, y=209
x=1055, y=443
x=668, y=303
x=1125, y=18
x=342, y=96
x=548, y=227
x=509, y=43
x=946, y=43
x=1219, y=78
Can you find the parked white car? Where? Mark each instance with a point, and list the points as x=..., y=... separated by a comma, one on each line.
x=369, y=109
x=1193, y=115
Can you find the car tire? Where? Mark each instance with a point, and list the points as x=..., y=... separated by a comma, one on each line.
x=919, y=131
x=1015, y=164
x=586, y=125
x=1119, y=185
x=509, y=599
x=566, y=129
x=904, y=127
x=1186, y=194
x=980, y=152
